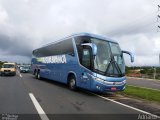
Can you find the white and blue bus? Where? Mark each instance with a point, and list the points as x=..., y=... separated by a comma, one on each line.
x=83, y=60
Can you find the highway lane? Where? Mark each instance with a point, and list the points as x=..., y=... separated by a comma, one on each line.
x=14, y=98
x=57, y=101
x=153, y=84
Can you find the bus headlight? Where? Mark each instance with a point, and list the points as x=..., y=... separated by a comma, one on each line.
x=124, y=81
x=99, y=80
x=108, y=83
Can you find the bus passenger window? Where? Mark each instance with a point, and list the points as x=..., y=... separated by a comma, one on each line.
x=86, y=58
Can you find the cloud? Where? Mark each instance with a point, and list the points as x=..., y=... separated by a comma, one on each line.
x=28, y=24
x=3, y=15
x=15, y=46
x=145, y=48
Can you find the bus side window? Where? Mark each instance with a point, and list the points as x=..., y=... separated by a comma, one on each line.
x=86, y=58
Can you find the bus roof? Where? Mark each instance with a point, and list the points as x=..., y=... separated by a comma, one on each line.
x=94, y=35
x=78, y=35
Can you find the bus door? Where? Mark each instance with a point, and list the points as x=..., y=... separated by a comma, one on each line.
x=86, y=63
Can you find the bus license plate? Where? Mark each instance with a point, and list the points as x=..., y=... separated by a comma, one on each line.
x=113, y=88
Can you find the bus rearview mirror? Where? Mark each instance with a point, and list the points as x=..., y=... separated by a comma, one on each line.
x=93, y=46
x=129, y=53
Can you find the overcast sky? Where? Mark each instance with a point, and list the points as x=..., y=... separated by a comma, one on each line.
x=28, y=24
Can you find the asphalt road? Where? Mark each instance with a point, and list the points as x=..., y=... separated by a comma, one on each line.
x=153, y=84
x=56, y=101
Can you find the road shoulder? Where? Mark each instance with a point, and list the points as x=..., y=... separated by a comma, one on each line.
x=146, y=105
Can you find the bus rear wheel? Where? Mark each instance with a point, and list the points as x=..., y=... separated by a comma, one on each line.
x=72, y=83
x=37, y=75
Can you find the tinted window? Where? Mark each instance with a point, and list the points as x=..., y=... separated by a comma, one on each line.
x=86, y=62
x=63, y=47
x=82, y=39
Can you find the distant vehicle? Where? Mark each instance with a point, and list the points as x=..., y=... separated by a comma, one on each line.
x=83, y=60
x=24, y=69
x=8, y=69
x=18, y=66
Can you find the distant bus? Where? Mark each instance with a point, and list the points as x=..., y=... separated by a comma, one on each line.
x=82, y=60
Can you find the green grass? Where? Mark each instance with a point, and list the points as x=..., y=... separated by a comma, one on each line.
x=148, y=94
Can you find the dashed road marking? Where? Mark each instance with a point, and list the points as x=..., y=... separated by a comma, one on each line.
x=20, y=75
x=39, y=109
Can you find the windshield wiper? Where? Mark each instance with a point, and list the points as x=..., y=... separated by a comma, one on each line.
x=99, y=71
x=108, y=66
x=118, y=68
x=114, y=63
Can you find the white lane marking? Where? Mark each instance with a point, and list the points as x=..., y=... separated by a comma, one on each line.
x=142, y=111
x=143, y=87
x=17, y=71
x=39, y=109
x=20, y=75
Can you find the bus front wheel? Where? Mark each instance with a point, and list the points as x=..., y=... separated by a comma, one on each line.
x=72, y=83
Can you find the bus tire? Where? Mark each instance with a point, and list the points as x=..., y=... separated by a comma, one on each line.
x=72, y=83
x=38, y=75
x=35, y=74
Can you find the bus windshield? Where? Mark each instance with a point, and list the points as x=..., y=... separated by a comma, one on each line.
x=109, y=60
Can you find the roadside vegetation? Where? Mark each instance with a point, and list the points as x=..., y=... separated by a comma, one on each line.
x=144, y=93
x=149, y=72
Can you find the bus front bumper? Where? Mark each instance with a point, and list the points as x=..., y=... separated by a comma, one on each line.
x=105, y=86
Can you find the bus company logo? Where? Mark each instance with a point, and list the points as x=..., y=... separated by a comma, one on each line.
x=39, y=60
x=53, y=59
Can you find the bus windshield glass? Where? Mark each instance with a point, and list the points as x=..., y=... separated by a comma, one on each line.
x=109, y=60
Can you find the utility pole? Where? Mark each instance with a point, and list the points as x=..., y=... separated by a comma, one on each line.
x=158, y=18
x=159, y=58
x=154, y=74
